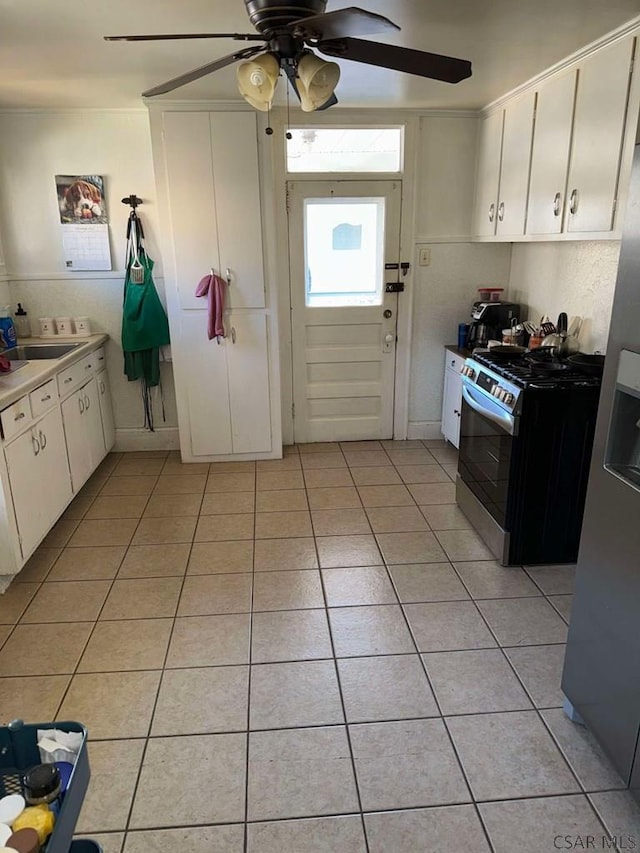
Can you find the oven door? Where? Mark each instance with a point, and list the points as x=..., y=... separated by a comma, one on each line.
x=487, y=437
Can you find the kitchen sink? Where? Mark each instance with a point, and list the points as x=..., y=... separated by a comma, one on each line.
x=33, y=352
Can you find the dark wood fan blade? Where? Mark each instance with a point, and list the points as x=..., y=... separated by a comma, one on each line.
x=433, y=65
x=290, y=71
x=342, y=23
x=174, y=36
x=190, y=76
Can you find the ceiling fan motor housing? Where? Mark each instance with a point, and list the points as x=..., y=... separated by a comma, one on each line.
x=269, y=15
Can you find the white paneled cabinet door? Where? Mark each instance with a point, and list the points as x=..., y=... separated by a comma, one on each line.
x=600, y=115
x=106, y=410
x=202, y=375
x=189, y=165
x=39, y=478
x=214, y=193
x=237, y=192
x=488, y=174
x=514, y=168
x=83, y=432
x=550, y=155
x=452, y=406
x=248, y=370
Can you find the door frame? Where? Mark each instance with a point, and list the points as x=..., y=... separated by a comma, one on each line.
x=409, y=122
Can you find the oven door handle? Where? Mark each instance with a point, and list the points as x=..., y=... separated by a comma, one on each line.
x=502, y=419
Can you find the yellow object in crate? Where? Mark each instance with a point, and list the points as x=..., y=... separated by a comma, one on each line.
x=40, y=818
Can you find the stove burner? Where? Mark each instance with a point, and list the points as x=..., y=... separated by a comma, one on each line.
x=525, y=371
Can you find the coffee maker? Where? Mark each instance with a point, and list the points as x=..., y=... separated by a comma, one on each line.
x=488, y=319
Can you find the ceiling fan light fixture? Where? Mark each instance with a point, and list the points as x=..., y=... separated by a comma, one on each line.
x=317, y=80
x=257, y=80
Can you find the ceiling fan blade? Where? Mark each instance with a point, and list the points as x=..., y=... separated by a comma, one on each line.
x=290, y=71
x=433, y=65
x=342, y=23
x=173, y=36
x=190, y=76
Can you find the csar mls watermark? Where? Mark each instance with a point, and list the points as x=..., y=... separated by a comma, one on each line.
x=596, y=842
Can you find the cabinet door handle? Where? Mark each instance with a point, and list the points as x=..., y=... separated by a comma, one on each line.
x=102, y=387
x=44, y=399
x=87, y=403
x=67, y=381
x=80, y=405
x=233, y=335
x=228, y=276
x=43, y=439
x=36, y=446
x=501, y=211
x=492, y=212
x=20, y=416
x=573, y=202
x=557, y=204
x=453, y=362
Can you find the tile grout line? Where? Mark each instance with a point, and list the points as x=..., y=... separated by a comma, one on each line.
x=342, y=702
x=245, y=837
x=442, y=717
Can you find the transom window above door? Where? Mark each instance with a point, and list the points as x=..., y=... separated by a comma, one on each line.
x=345, y=149
x=344, y=243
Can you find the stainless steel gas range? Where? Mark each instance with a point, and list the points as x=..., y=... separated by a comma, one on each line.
x=525, y=446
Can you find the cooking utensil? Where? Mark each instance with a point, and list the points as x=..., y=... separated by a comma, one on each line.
x=592, y=364
x=563, y=322
x=547, y=326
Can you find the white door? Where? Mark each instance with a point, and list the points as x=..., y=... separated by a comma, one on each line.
x=39, y=477
x=342, y=235
x=598, y=129
x=452, y=406
x=550, y=157
x=514, y=169
x=106, y=410
x=485, y=214
x=248, y=371
x=83, y=432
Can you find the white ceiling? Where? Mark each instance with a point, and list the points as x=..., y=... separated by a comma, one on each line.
x=52, y=53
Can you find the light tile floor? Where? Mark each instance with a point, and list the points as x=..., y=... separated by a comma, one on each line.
x=312, y=654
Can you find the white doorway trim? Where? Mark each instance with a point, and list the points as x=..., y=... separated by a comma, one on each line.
x=409, y=120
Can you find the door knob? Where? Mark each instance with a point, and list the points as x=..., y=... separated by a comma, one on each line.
x=389, y=340
x=388, y=314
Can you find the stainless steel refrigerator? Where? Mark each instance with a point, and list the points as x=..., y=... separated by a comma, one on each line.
x=601, y=676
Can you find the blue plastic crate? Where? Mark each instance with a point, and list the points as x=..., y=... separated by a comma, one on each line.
x=19, y=751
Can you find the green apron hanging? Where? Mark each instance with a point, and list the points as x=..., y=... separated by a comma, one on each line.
x=144, y=322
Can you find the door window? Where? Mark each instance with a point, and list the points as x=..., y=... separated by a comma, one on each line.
x=344, y=243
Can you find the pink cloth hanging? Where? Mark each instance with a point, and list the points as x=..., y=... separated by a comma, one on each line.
x=213, y=287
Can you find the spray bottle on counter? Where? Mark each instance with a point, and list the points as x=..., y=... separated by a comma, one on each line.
x=21, y=322
x=7, y=329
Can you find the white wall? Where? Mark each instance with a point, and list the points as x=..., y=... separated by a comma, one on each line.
x=444, y=293
x=116, y=144
x=578, y=278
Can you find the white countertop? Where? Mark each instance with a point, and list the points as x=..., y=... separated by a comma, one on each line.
x=17, y=384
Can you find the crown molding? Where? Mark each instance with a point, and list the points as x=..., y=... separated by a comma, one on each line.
x=70, y=110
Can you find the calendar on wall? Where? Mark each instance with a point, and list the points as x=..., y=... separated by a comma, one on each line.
x=83, y=222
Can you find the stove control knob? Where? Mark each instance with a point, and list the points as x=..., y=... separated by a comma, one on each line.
x=509, y=398
x=500, y=394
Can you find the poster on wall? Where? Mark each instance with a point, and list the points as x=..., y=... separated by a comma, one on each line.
x=83, y=222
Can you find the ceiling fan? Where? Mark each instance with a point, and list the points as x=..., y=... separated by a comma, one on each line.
x=286, y=30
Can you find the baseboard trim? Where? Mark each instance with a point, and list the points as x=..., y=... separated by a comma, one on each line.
x=164, y=438
x=431, y=430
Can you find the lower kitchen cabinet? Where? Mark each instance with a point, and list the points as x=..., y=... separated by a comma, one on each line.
x=83, y=431
x=106, y=410
x=452, y=398
x=39, y=478
x=225, y=385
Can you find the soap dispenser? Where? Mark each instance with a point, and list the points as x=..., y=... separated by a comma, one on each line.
x=21, y=322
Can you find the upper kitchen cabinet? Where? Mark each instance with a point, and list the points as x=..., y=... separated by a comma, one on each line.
x=598, y=131
x=211, y=161
x=578, y=140
x=503, y=169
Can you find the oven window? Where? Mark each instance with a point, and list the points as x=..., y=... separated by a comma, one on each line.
x=485, y=462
